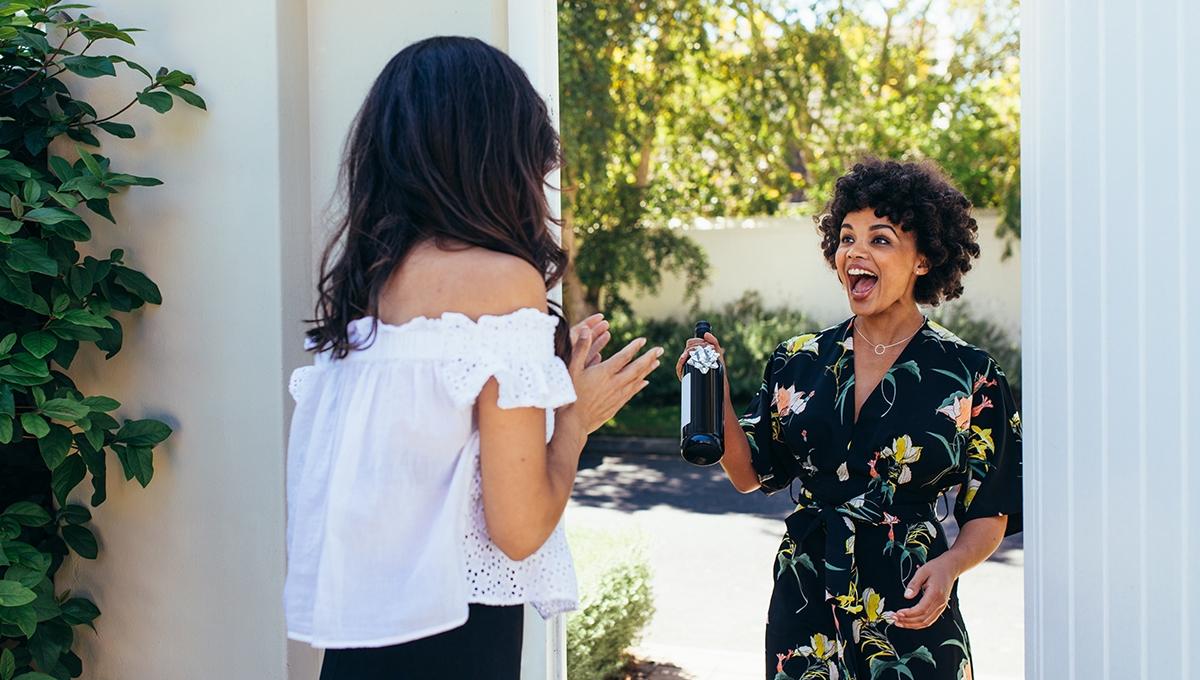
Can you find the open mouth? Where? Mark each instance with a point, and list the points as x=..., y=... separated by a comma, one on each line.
x=862, y=282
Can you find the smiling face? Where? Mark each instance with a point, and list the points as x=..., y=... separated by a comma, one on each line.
x=877, y=262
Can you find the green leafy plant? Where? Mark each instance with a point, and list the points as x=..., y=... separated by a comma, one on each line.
x=616, y=602
x=53, y=298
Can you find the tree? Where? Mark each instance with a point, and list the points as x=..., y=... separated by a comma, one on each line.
x=675, y=109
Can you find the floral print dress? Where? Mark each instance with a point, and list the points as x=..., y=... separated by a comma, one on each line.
x=942, y=417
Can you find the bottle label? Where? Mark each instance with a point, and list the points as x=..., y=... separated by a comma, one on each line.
x=685, y=405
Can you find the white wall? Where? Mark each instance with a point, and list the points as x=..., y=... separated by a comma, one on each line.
x=781, y=259
x=191, y=570
x=1110, y=100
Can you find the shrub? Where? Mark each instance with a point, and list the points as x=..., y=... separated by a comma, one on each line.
x=616, y=602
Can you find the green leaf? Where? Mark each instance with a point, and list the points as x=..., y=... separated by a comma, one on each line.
x=78, y=611
x=142, y=459
x=90, y=162
x=27, y=577
x=8, y=405
x=103, y=31
x=62, y=168
x=27, y=555
x=65, y=200
x=138, y=283
x=55, y=446
x=84, y=135
x=28, y=514
x=159, y=101
x=120, y=130
x=8, y=664
x=39, y=343
x=13, y=594
x=133, y=65
x=28, y=364
x=143, y=432
x=82, y=317
x=34, y=675
x=65, y=409
x=35, y=425
x=102, y=404
x=26, y=620
x=69, y=331
x=25, y=255
x=89, y=67
x=75, y=514
x=8, y=343
x=6, y=429
x=66, y=477
x=80, y=281
x=188, y=96
x=31, y=191
x=81, y=540
x=50, y=215
x=9, y=227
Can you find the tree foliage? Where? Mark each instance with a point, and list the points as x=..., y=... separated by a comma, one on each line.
x=676, y=109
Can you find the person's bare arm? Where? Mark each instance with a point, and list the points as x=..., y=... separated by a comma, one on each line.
x=527, y=482
x=976, y=542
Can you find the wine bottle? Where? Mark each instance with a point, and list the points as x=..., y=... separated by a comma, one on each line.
x=702, y=405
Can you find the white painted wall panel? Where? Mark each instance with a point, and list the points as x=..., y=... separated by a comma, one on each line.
x=1107, y=167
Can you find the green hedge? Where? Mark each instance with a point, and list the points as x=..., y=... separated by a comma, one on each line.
x=616, y=602
x=749, y=331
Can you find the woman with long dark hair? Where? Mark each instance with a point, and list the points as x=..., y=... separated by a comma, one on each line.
x=869, y=423
x=436, y=437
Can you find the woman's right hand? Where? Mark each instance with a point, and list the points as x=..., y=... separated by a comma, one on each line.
x=708, y=339
x=603, y=387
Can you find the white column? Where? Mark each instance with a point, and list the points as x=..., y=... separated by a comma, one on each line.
x=1109, y=169
x=533, y=43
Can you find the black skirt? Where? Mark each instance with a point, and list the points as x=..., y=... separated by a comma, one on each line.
x=486, y=647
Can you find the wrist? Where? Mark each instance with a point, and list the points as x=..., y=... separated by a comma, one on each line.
x=956, y=562
x=569, y=426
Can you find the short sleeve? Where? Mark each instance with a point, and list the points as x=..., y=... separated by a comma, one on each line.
x=518, y=350
x=993, y=487
x=769, y=455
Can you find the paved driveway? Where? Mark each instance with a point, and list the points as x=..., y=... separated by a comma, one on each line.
x=712, y=551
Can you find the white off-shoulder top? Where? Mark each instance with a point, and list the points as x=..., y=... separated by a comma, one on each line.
x=386, y=539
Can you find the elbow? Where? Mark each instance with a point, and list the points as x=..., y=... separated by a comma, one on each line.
x=746, y=487
x=516, y=548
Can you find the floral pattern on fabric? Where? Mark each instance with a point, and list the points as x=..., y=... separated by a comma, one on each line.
x=942, y=418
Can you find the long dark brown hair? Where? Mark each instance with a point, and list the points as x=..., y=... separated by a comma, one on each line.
x=452, y=145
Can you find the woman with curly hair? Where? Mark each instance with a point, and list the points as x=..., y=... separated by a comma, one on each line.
x=869, y=423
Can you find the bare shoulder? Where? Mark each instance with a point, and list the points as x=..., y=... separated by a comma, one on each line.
x=471, y=281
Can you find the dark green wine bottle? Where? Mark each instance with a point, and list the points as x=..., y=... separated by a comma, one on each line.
x=702, y=404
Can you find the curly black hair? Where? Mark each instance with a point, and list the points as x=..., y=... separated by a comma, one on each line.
x=916, y=196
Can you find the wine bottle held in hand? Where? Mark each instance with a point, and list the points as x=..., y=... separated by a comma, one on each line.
x=702, y=404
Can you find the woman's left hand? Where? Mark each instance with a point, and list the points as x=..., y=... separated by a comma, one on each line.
x=933, y=582
x=597, y=325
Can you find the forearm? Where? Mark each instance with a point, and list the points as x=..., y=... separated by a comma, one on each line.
x=562, y=460
x=736, y=458
x=976, y=542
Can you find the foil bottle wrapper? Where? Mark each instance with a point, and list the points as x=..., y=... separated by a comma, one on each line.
x=704, y=358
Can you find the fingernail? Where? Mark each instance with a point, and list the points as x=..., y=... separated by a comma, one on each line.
x=908, y=593
x=658, y=351
x=645, y=383
x=656, y=365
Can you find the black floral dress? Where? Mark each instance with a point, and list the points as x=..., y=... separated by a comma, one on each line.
x=867, y=491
